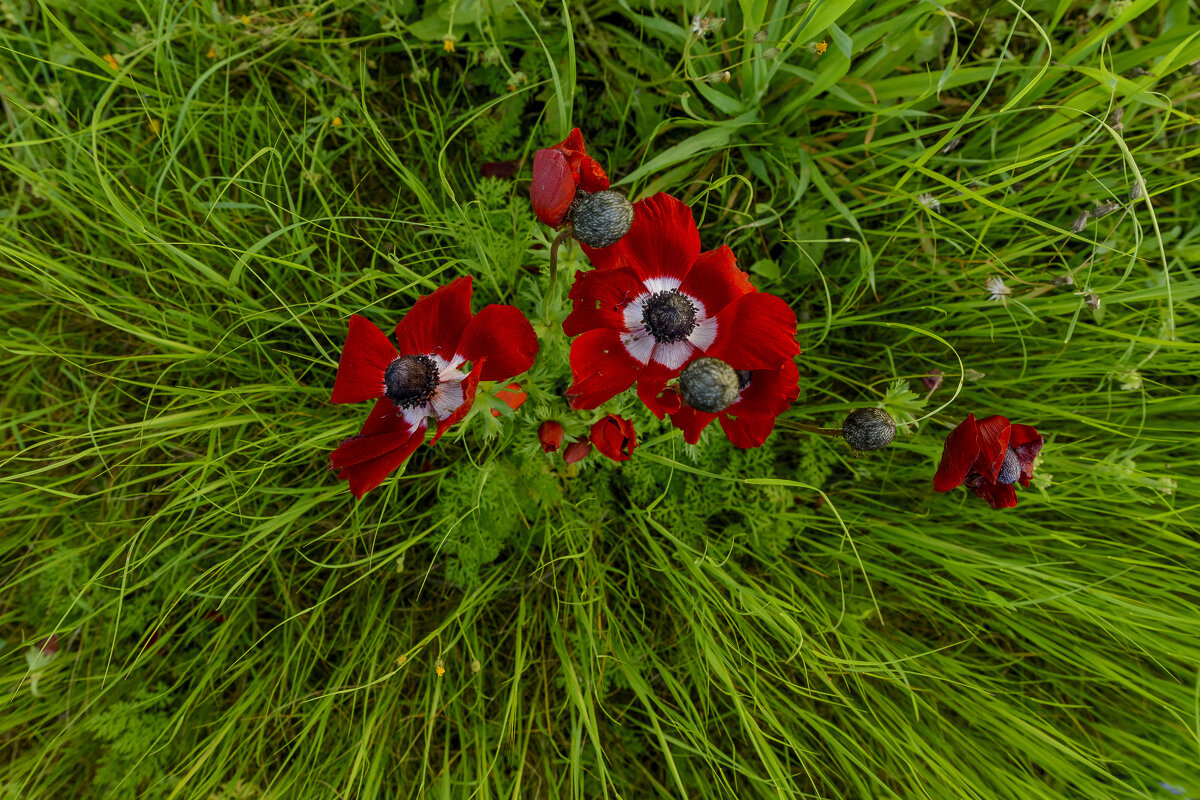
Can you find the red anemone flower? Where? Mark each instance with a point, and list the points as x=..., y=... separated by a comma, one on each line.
x=615, y=437
x=424, y=378
x=655, y=301
x=763, y=394
x=989, y=456
x=577, y=451
x=558, y=172
x=550, y=434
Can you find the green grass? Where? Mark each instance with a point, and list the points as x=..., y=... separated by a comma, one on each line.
x=183, y=238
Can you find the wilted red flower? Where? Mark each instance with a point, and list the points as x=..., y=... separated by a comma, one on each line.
x=423, y=379
x=763, y=394
x=577, y=450
x=550, y=434
x=512, y=396
x=558, y=172
x=989, y=456
x=655, y=301
x=615, y=437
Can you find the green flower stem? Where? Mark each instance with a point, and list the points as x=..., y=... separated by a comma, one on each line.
x=554, y=259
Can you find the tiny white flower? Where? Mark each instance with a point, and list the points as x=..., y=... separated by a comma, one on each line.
x=699, y=25
x=927, y=200
x=997, y=291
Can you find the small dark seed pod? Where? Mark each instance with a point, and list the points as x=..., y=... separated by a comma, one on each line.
x=602, y=218
x=709, y=385
x=869, y=429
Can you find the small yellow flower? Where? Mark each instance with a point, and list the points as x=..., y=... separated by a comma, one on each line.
x=439, y=668
x=155, y=126
x=212, y=53
x=245, y=19
x=111, y=60
x=448, y=44
x=337, y=122
x=820, y=48
x=400, y=662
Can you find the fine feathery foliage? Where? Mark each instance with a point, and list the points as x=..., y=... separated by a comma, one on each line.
x=976, y=208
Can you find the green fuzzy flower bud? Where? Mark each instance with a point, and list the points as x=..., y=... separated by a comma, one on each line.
x=600, y=219
x=869, y=429
x=709, y=385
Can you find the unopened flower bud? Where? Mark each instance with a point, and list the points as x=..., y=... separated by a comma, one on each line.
x=577, y=451
x=869, y=429
x=550, y=434
x=600, y=219
x=709, y=385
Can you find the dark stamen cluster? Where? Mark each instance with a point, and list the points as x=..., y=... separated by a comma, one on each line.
x=410, y=381
x=669, y=316
x=1010, y=470
x=743, y=378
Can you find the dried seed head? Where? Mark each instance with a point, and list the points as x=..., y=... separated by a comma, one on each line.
x=1064, y=280
x=1092, y=301
x=952, y=145
x=1114, y=119
x=1104, y=209
x=709, y=385
x=760, y=36
x=869, y=429
x=602, y=218
x=1080, y=222
x=1136, y=191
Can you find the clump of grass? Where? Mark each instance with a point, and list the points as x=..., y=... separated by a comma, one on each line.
x=194, y=202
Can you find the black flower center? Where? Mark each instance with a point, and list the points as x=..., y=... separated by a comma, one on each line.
x=743, y=378
x=1010, y=470
x=410, y=381
x=669, y=316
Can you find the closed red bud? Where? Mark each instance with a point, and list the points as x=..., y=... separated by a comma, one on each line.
x=550, y=434
x=577, y=451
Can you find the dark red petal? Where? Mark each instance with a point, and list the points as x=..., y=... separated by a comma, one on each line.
x=615, y=437
x=437, y=321
x=553, y=188
x=663, y=240
x=755, y=331
x=716, y=281
x=770, y=393
x=599, y=297
x=365, y=357
x=998, y=495
x=591, y=175
x=577, y=451
x=993, y=444
x=691, y=422
x=512, y=396
x=601, y=369
x=469, y=385
x=365, y=475
x=384, y=418
x=573, y=143
x=1026, y=442
x=747, y=431
x=503, y=336
x=653, y=391
x=958, y=455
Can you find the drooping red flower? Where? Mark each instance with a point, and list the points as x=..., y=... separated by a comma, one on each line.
x=550, y=434
x=615, y=437
x=989, y=456
x=424, y=377
x=558, y=172
x=577, y=451
x=654, y=301
x=763, y=394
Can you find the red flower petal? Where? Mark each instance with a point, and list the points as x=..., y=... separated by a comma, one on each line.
x=770, y=393
x=383, y=431
x=553, y=188
x=653, y=391
x=601, y=368
x=468, y=384
x=437, y=321
x=365, y=474
x=503, y=336
x=365, y=357
x=512, y=396
x=998, y=495
x=1026, y=442
x=958, y=455
x=993, y=444
x=384, y=418
x=755, y=331
x=747, y=431
x=598, y=298
x=591, y=175
x=716, y=281
x=615, y=437
x=573, y=144
x=691, y=422
x=662, y=242
x=577, y=451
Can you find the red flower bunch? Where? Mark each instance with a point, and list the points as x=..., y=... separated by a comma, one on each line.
x=560, y=171
x=989, y=456
x=654, y=301
x=423, y=378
